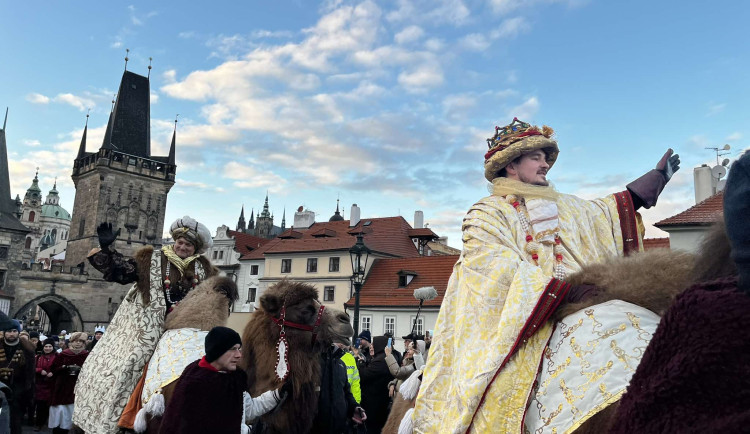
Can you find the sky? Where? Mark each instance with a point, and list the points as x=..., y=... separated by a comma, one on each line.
x=386, y=104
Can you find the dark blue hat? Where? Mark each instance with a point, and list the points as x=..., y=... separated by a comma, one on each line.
x=366, y=336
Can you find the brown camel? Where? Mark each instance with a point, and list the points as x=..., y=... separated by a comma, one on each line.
x=203, y=308
x=301, y=306
x=648, y=279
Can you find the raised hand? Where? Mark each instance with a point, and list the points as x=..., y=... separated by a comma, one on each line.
x=106, y=235
x=669, y=164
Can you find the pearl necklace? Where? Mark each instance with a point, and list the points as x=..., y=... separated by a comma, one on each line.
x=168, y=283
x=534, y=247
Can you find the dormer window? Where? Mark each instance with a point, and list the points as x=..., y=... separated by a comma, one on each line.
x=405, y=277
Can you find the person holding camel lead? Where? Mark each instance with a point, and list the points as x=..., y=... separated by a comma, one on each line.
x=519, y=244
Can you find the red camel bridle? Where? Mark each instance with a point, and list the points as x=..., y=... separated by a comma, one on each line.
x=282, y=322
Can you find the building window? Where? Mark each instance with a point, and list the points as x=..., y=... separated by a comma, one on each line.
x=216, y=254
x=4, y=305
x=333, y=264
x=389, y=325
x=286, y=265
x=4, y=255
x=328, y=293
x=2, y=279
x=419, y=329
x=401, y=281
x=312, y=265
x=32, y=215
x=254, y=270
x=221, y=254
x=366, y=323
x=251, y=293
x=81, y=226
x=27, y=246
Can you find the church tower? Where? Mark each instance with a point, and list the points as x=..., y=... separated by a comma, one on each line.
x=264, y=225
x=241, y=222
x=121, y=183
x=32, y=214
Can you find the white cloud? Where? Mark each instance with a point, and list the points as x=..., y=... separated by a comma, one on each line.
x=246, y=176
x=734, y=136
x=76, y=101
x=434, y=44
x=527, y=110
x=31, y=143
x=37, y=98
x=421, y=78
x=714, y=109
x=511, y=28
x=474, y=42
x=409, y=35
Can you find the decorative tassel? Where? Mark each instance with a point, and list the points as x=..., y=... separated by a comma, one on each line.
x=155, y=405
x=410, y=387
x=406, y=426
x=140, y=424
x=282, y=361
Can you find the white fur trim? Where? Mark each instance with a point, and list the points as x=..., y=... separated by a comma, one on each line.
x=425, y=293
x=407, y=425
x=140, y=424
x=410, y=387
x=155, y=405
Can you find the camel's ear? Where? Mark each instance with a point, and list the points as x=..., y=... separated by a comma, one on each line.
x=271, y=303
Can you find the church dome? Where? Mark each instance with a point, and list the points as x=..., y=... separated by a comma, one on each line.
x=336, y=217
x=55, y=211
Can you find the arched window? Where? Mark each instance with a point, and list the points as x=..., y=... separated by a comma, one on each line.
x=28, y=243
x=54, y=236
x=32, y=215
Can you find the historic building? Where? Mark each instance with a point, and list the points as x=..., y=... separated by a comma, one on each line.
x=122, y=183
x=48, y=220
x=263, y=226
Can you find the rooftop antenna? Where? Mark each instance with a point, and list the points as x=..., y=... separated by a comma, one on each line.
x=721, y=151
x=149, y=67
x=127, y=52
x=87, y=118
x=55, y=186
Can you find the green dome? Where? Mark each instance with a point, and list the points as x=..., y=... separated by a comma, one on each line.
x=55, y=211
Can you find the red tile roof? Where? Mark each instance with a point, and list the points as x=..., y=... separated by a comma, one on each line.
x=702, y=214
x=423, y=233
x=388, y=235
x=246, y=243
x=655, y=243
x=381, y=287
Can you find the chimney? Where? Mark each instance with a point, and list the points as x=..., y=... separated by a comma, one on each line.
x=418, y=219
x=303, y=219
x=354, y=215
x=704, y=185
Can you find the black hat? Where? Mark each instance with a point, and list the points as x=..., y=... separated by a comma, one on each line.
x=48, y=341
x=5, y=322
x=413, y=337
x=736, y=209
x=33, y=335
x=366, y=336
x=220, y=340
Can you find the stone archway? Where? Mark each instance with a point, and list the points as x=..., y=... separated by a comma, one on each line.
x=62, y=314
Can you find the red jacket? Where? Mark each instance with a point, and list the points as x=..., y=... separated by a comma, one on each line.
x=43, y=383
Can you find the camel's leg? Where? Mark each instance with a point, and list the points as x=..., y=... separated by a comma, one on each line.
x=398, y=410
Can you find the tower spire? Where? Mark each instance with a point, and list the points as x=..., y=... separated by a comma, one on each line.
x=127, y=52
x=6, y=118
x=149, y=67
x=82, y=147
x=283, y=220
x=172, y=146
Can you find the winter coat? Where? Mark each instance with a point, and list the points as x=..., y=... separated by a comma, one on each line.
x=65, y=369
x=374, y=379
x=44, y=383
x=336, y=403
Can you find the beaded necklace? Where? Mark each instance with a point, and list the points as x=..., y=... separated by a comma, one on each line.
x=168, y=283
x=533, y=247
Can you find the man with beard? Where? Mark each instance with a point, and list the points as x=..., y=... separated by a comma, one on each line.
x=17, y=371
x=519, y=244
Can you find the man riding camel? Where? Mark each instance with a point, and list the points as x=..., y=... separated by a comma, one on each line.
x=519, y=244
x=161, y=278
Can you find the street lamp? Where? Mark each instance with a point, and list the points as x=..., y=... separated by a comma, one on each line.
x=358, y=254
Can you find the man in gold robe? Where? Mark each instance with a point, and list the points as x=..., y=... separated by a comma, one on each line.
x=519, y=244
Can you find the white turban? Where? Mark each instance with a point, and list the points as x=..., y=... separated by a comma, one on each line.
x=197, y=233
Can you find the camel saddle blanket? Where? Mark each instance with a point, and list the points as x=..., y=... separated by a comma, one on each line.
x=587, y=364
x=176, y=349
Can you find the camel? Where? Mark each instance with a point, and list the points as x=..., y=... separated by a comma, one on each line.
x=202, y=309
x=300, y=307
x=648, y=279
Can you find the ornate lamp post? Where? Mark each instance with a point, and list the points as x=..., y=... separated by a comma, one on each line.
x=358, y=253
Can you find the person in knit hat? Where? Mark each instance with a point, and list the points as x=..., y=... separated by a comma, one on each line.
x=161, y=278
x=17, y=370
x=211, y=392
x=518, y=245
x=694, y=374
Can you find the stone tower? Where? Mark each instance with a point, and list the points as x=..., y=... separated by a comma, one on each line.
x=32, y=216
x=264, y=225
x=241, y=222
x=121, y=183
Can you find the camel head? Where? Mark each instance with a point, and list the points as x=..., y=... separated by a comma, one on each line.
x=301, y=306
x=205, y=307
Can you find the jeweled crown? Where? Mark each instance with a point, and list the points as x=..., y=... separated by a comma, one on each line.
x=516, y=128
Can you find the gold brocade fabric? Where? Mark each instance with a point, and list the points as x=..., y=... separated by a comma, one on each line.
x=492, y=292
x=175, y=260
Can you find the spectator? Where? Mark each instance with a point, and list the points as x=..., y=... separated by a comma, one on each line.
x=352, y=372
x=365, y=344
x=44, y=383
x=65, y=369
x=336, y=404
x=98, y=333
x=374, y=380
x=413, y=360
x=17, y=371
x=210, y=393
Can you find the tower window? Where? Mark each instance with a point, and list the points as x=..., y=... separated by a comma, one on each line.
x=32, y=216
x=81, y=226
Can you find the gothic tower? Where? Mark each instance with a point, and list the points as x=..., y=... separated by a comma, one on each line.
x=121, y=183
x=241, y=222
x=264, y=225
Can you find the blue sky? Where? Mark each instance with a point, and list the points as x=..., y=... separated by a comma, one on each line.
x=383, y=104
